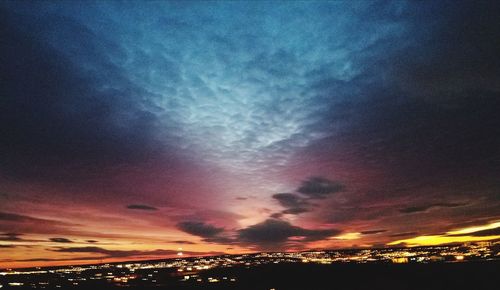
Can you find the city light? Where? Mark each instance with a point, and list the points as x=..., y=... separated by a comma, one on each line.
x=192, y=270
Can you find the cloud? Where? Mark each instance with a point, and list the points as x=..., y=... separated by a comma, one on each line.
x=60, y=240
x=293, y=203
x=183, y=242
x=123, y=253
x=402, y=95
x=313, y=188
x=319, y=187
x=405, y=234
x=273, y=232
x=484, y=232
x=276, y=215
x=200, y=229
x=11, y=217
x=92, y=241
x=295, y=211
x=113, y=253
x=77, y=111
x=11, y=222
x=373, y=232
x=425, y=208
x=141, y=207
x=10, y=237
x=479, y=230
x=18, y=218
x=489, y=232
x=220, y=239
x=55, y=259
x=289, y=200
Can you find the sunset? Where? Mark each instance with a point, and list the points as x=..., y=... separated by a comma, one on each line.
x=139, y=131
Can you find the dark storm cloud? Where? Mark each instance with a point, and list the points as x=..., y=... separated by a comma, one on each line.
x=273, y=232
x=200, y=229
x=460, y=58
x=64, y=106
x=141, y=207
x=319, y=187
x=450, y=125
x=423, y=208
x=424, y=115
x=61, y=240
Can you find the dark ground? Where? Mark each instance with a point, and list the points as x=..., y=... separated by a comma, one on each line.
x=466, y=275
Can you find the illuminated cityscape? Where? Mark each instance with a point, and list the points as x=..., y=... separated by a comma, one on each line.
x=200, y=271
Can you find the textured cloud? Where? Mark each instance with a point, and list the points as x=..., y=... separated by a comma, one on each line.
x=240, y=101
x=141, y=207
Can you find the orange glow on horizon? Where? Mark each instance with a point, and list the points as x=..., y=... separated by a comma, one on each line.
x=455, y=236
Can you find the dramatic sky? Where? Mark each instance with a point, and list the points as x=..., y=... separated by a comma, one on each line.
x=129, y=130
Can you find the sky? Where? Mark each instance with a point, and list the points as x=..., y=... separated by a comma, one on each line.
x=132, y=130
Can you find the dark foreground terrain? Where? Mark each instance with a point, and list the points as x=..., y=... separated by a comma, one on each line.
x=464, y=275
